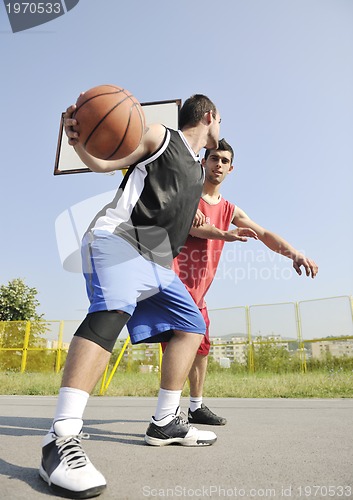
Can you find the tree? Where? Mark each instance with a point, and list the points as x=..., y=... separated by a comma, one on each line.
x=18, y=302
x=18, y=305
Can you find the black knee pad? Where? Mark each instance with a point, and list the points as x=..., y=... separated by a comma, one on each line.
x=103, y=327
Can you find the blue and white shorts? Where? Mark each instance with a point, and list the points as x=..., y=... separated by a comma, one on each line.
x=119, y=278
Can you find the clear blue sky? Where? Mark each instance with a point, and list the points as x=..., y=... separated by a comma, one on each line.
x=281, y=74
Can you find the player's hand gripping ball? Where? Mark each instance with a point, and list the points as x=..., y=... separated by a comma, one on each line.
x=110, y=122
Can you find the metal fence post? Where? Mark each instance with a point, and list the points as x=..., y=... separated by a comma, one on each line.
x=59, y=349
x=251, y=361
x=25, y=346
x=104, y=386
x=160, y=358
x=301, y=345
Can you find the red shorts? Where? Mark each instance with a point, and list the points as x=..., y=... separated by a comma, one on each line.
x=205, y=345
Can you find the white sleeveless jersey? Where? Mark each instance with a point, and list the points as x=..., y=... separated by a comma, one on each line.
x=156, y=202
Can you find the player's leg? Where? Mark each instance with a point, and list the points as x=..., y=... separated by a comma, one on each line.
x=171, y=315
x=198, y=412
x=91, y=347
x=84, y=374
x=65, y=466
x=178, y=359
x=173, y=373
x=197, y=377
x=166, y=426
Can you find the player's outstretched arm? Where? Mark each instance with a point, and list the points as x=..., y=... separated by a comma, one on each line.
x=199, y=219
x=150, y=142
x=311, y=268
x=276, y=243
x=206, y=231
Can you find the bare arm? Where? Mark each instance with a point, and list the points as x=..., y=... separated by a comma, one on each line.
x=276, y=243
x=150, y=142
x=206, y=231
x=199, y=219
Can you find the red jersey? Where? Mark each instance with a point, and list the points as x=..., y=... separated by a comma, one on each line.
x=196, y=264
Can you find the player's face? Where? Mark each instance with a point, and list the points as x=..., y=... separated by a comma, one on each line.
x=213, y=134
x=217, y=166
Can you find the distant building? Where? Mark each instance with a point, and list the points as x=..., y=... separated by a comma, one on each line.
x=234, y=348
x=54, y=344
x=337, y=348
x=145, y=353
x=275, y=339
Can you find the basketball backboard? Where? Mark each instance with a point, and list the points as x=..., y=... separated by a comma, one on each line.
x=68, y=162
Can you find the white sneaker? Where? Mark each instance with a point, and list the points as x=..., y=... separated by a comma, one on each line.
x=179, y=431
x=65, y=466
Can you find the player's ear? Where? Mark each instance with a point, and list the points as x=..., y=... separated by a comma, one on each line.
x=203, y=162
x=208, y=117
x=230, y=168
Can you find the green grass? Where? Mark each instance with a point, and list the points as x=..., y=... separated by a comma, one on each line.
x=220, y=384
x=292, y=385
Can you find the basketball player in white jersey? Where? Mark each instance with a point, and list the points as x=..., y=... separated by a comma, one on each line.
x=127, y=255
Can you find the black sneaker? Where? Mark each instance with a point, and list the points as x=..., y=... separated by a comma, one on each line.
x=66, y=467
x=204, y=415
x=177, y=431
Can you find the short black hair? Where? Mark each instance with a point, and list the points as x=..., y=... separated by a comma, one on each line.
x=222, y=146
x=194, y=109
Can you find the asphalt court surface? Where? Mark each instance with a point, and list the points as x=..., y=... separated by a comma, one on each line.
x=270, y=448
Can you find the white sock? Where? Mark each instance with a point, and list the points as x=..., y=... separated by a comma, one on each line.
x=167, y=405
x=195, y=403
x=71, y=404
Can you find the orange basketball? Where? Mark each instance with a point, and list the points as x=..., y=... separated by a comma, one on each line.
x=110, y=122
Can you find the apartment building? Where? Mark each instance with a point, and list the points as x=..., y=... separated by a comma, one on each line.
x=234, y=348
x=337, y=348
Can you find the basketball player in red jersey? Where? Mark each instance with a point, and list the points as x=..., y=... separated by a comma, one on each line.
x=197, y=262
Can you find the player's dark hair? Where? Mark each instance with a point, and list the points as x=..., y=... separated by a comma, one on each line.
x=194, y=109
x=222, y=146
